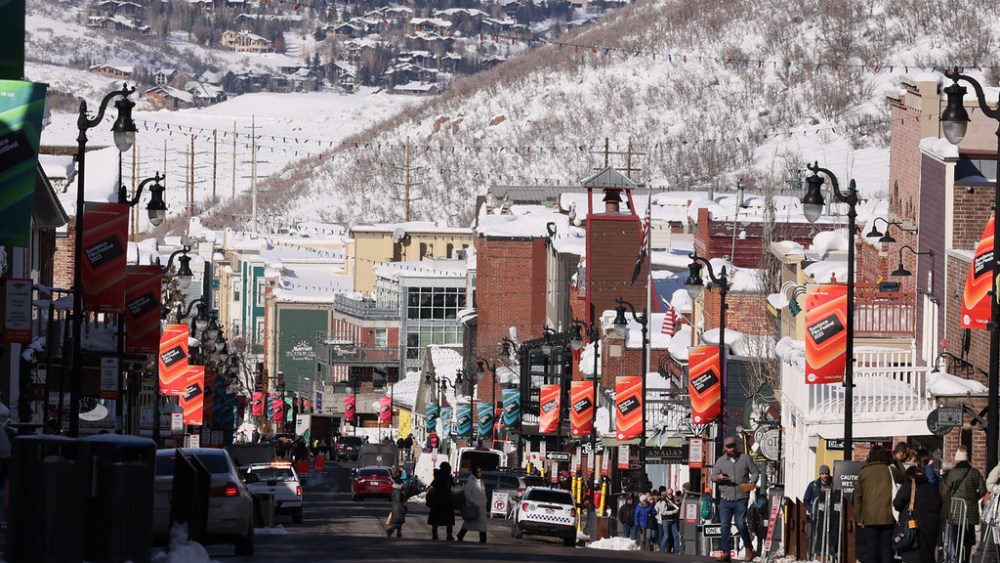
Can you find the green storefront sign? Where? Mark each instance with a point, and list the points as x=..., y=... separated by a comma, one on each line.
x=296, y=338
x=22, y=105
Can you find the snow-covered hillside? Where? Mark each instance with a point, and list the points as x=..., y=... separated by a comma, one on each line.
x=703, y=88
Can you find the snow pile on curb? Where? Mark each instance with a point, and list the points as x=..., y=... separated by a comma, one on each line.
x=278, y=530
x=615, y=544
x=419, y=498
x=182, y=549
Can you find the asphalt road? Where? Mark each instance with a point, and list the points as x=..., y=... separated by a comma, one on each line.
x=335, y=528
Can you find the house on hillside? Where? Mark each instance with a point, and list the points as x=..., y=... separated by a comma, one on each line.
x=163, y=76
x=246, y=42
x=205, y=94
x=118, y=23
x=113, y=71
x=168, y=97
x=416, y=88
x=345, y=75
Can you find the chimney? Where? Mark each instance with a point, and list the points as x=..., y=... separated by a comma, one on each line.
x=612, y=200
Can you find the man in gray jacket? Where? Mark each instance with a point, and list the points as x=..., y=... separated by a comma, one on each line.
x=735, y=475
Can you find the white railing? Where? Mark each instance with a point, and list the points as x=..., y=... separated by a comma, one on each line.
x=879, y=393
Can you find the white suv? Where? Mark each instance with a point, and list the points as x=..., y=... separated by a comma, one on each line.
x=546, y=512
x=281, y=480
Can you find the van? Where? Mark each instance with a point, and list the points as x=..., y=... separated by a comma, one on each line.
x=427, y=462
x=464, y=459
x=382, y=455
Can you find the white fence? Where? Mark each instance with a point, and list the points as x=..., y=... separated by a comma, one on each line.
x=879, y=392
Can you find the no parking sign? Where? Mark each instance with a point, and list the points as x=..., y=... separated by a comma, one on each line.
x=499, y=504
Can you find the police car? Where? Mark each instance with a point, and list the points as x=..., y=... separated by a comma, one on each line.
x=546, y=512
x=280, y=479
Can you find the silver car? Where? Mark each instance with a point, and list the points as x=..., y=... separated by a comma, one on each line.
x=230, y=504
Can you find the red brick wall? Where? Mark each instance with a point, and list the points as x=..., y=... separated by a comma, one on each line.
x=510, y=291
x=714, y=239
x=62, y=263
x=614, y=250
x=628, y=362
x=904, y=164
x=971, y=213
x=747, y=312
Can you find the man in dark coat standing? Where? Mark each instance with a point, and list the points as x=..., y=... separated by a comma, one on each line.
x=926, y=508
x=440, y=502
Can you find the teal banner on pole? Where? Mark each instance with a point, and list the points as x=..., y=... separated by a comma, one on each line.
x=511, y=407
x=484, y=415
x=444, y=423
x=463, y=420
x=431, y=415
x=22, y=106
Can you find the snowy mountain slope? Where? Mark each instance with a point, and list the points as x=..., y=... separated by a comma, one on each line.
x=538, y=116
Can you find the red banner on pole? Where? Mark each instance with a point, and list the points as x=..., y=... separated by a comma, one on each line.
x=257, y=404
x=105, y=239
x=976, y=297
x=142, y=309
x=173, y=360
x=278, y=410
x=209, y=393
x=826, y=333
x=628, y=407
x=193, y=400
x=704, y=383
x=349, y=408
x=385, y=410
x=549, y=406
x=581, y=414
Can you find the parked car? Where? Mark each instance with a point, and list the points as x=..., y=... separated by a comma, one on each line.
x=546, y=512
x=514, y=483
x=230, y=504
x=372, y=481
x=347, y=447
x=281, y=480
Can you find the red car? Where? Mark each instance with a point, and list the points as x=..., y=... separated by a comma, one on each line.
x=372, y=481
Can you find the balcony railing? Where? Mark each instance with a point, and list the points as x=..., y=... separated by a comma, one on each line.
x=879, y=393
x=364, y=308
x=884, y=313
x=341, y=353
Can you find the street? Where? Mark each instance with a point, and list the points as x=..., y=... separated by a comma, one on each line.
x=337, y=528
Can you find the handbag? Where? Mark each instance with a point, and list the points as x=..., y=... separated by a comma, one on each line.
x=430, y=498
x=470, y=512
x=904, y=537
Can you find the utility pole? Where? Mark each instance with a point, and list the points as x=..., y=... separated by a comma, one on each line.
x=407, y=179
x=191, y=181
x=253, y=173
x=233, y=195
x=133, y=212
x=215, y=159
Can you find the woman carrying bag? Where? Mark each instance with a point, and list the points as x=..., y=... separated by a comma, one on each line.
x=474, y=513
x=440, y=502
x=917, y=500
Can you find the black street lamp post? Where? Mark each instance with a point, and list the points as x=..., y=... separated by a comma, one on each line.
x=593, y=334
x=954, y=124
x=621, y=324
x=484, y=365
x=695, y=286
x=812, y=204
x=123, y=130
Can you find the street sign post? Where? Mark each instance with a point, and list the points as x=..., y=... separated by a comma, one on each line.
x=499, y=504
x=557, y=456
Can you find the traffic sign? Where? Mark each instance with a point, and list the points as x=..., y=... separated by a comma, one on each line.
x=499, y=504
x=557, y=456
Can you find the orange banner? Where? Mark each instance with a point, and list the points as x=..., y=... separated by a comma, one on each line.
x=548, y=418
x=628, y=407
x=193, y=400
x=704, y=383
x=173, y=360
x=581, y=414
x=105, y=240
x=143, y=285
x=826, y=333
x=976, y=298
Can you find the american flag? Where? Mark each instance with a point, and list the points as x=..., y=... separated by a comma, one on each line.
x=671, y=322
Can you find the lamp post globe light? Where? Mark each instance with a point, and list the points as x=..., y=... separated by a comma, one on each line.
x=812, y=205
x=621, y=327
x=695, y=287
x=954, y=125
x=123, y=131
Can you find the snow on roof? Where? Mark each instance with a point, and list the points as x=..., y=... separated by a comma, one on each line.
x=939, y=148
x=411, y=227
x=587, y=359
x=173, y=93
x=311, y=283
x=415, y=86
x=523, y=221
x=751, y=345
x=570, y=240
x=426, y=268
x=941, y=384
x=57, y=167
x=447, y=361
x=741, y=280
x=100, y=182
x=404, y=393
x=827, y=271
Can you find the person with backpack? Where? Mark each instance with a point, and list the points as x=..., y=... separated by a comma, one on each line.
x=966, y=483
x=626, y=517
x=645, y=522
x=922, y=498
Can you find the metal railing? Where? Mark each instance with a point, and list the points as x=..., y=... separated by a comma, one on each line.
x=364, y=308
x=884, y=313
x=878, y=391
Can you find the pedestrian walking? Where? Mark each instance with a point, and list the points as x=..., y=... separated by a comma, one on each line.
x=816, y=494
x=398, y=515
x=926, y=506
x=474, y=513
x=873, y=495
x=442, y=507
x=667, y=511
x=965, y=483
x=644, y=521
x=736, y=476
x=626, y=517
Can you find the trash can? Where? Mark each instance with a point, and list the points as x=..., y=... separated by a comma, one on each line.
x=48, y=484
x=263, y=510
x=119, y=507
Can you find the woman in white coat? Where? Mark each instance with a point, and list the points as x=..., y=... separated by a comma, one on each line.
x=475, y=503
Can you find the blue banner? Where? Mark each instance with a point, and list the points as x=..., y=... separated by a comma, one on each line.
x=444, y=428
x=484, y=415
x=463, y=420
x=431, y=411
x=511, y=407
